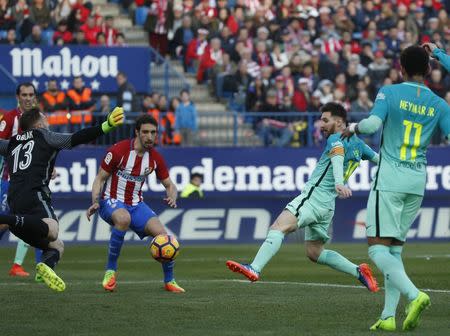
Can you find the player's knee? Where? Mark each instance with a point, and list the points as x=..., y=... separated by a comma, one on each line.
x=58, y=245
x=283, y=227
x=121, y=220
x=312, y=253
x=53, y=228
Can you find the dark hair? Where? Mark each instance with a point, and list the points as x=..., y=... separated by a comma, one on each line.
x=184, y=91
x=336, y=110
x=415, y=61
x=29, y=119
x=26, y=84
x=145, y=119
x=194, y=175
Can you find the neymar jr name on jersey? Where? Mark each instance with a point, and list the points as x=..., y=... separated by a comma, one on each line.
x=417, y=109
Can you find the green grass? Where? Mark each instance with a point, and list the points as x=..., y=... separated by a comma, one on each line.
x=291, y=299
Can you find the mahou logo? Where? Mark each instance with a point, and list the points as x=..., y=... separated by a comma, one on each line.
x=28, y=62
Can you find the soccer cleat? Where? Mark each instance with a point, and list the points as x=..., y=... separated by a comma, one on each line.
x=414, y=309
x=17, y=270
x=244, y=269
x=173, y=287
x=109, y=280
x=51, y=279
x=367, y=279
x=386, y=325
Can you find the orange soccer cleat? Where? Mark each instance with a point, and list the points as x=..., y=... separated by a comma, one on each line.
x=244, y=269
x=109, y=281
x=367, y=279
x=173, y=287
x=17, y=270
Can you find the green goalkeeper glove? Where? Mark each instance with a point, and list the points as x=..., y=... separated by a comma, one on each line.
x=115, y=118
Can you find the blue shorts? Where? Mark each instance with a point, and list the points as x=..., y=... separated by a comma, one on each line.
x=4, y=208
x=140, y=214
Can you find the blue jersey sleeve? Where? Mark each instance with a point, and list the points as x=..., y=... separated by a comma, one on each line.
x=443, y=58
x=381, y=107
x=368, y=153
x=444, y=119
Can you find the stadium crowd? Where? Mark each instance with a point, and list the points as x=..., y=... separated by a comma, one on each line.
x=296, y=55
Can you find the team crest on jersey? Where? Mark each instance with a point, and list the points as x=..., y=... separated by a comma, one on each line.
x=356, y=154
x=108, y=158
x=2, y=125
x=380, y=96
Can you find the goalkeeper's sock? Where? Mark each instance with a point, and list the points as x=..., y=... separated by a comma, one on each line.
x=338, y=262
x=267, y=250
x=115, y=245
x=391, y=294
x=37, y=255
x=50, y=257
x=393, y=269
x=21, y=252
x=168, y=271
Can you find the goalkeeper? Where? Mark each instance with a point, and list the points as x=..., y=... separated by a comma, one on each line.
x=31, y=157
x=313, y=209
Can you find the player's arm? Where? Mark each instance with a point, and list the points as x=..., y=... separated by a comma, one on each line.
x=97, y=188
x=370, y=154
x=336, y=155
x=6, y=124
x=373, y=123
x=437, y=53
x=86, y=135
x=4, y=147
x=171, y=192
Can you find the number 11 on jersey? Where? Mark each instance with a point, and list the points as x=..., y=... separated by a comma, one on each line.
x=409, y=125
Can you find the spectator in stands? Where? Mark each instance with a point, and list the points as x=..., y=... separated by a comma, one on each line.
x=436, y=83
x=7, y=20
x=167, y=125
x=302, y=95
x=62, y=10
x=256, y=95
x=186, y=119
x=101, y=40
x=107, y=28
x=35, y=39
x=80, y=96
x=90, y=30
x=279, y=57
x=183, y=36
x=53, y=99
x=148, y=104
x=10, y=38
x=362, y=103
x=325, y=88
x=105, y=106
x=40, y=14
x=212, y=57
x=315, y=104
x=195, y=50
x=120, y=40
x=62, y=32
x=378, y=69
x=79, y=38
x=159, y=21
x=126, y=94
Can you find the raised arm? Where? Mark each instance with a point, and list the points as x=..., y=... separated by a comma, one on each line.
x=437, y=53
x=86, y=135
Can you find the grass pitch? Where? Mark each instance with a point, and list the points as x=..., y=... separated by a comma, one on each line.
x=294, y=297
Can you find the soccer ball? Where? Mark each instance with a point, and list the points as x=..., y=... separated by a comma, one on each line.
x=164, y=248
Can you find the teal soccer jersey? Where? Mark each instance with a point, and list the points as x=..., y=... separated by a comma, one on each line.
x=411, y=113
x=321, y=186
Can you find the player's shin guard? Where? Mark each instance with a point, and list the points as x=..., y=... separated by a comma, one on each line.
x=393, y=268
x=50, y=257
x=168, y=270
x=267, y=250
x=115, y=245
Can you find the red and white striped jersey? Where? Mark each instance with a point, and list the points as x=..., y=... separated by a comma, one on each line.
x=129, y=171
x=9, y=127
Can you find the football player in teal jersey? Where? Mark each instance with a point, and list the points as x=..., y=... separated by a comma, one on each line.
x=409, y=112
x=313, y=209
x=438, y=54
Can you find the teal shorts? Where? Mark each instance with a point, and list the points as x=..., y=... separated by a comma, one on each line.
x=390, y=214
x=312, y=215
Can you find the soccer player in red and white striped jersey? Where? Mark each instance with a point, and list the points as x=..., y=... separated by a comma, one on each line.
x=124, y=170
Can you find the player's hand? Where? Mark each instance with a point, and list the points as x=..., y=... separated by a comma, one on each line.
x=92, y=210
x=115, y=118
x=349, y=131
x=172, y=202
x=429, y=48
x=343, y=191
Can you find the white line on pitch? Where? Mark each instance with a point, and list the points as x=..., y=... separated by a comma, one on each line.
x=283, y=283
